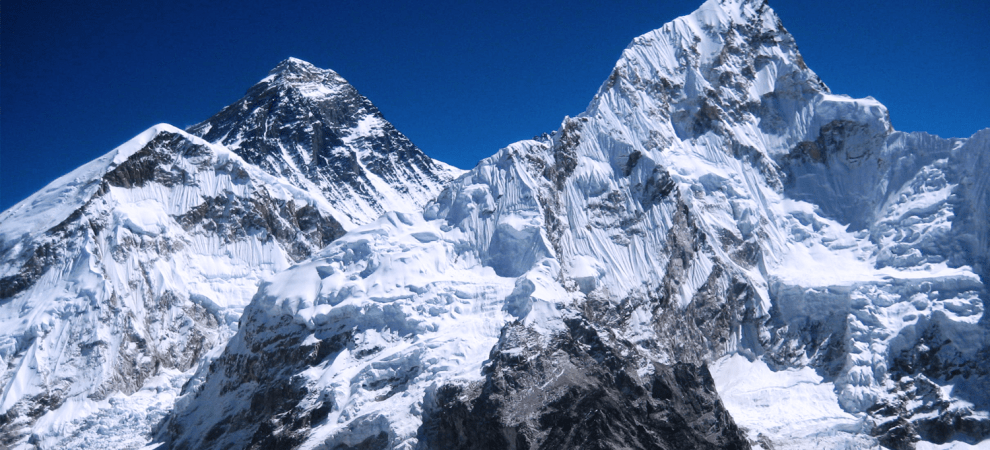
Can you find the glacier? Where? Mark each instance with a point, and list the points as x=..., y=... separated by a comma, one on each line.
x=719, y=252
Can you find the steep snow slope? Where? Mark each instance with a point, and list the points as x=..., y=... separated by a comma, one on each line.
x=134, y=266
x=313, y=128
x=715, y=203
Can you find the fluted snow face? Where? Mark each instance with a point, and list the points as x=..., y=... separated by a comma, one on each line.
x=868, y=242
x=311, y=127
x=126, y=272
x=711, y=103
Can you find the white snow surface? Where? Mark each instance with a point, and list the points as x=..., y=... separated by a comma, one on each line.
x=794, y=407
x=418, y=310
x=100, y=299
x=53, y=203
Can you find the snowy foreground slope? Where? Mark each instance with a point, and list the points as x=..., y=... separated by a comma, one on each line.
x=718, y=253
x=119, y=278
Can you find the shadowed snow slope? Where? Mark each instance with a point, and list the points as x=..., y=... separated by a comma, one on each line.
x=715, y=199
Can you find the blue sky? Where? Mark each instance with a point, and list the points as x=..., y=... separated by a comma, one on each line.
x=460, y=79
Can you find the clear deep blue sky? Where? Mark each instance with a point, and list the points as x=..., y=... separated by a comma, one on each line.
x=460, y=79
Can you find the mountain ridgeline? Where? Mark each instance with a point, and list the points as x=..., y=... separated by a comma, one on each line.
x=719, y=252
x=125, y=274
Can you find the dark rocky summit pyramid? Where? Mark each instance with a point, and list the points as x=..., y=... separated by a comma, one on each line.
x=313, y=128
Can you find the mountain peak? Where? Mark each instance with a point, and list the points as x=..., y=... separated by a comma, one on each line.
x=294, y=71
x=294, y=65
x=719, y=33
x=704, y=68
x=310, y=125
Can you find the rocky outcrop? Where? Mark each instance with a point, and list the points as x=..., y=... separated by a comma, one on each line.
x=581, y=391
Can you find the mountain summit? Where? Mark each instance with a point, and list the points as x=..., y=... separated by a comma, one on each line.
x=295, y=67
x=312, y=127
x=124, y=274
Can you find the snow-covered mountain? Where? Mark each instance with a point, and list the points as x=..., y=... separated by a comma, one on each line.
x=313, y=128
x=120, y=277
x=718, y=253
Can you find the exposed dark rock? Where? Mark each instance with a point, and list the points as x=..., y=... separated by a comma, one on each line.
x=579, y=393
x=279, y=126
x=299, y=228
x=274, y=415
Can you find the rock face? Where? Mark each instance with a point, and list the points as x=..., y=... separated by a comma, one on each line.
x=120, y=278
x=579, y=392
x=311, y=127
x=715, y=210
